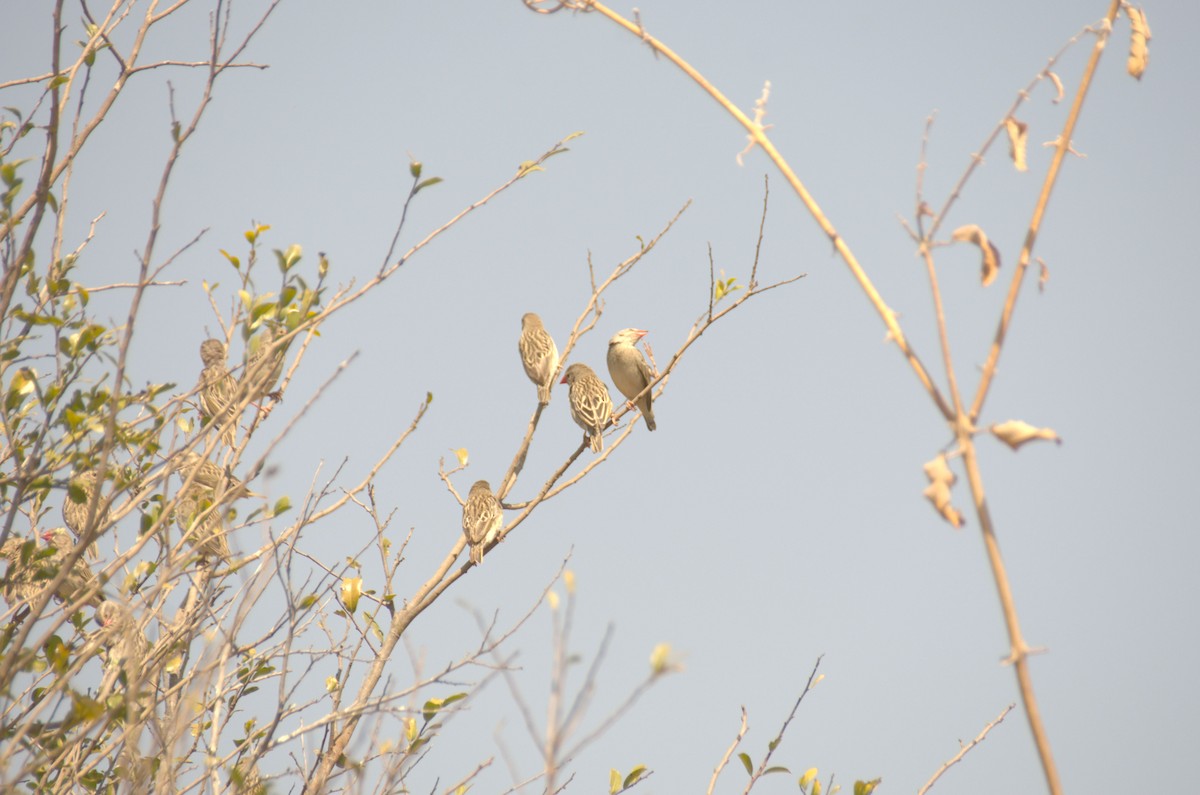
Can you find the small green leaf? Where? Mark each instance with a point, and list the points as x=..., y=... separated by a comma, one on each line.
x=425, y=184
x=430, y=710
x=633, y=776
x=281, y=506
x=414, y=168
x=746, y=763
x=776, y=769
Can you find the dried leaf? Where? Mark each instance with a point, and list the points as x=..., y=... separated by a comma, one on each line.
x=1015, y=433
x=1058, y=86
x=938, y=493
x=1018, y=135
x=938, y=471
x=1139, y=40
x=941, y=478
x=991, y=255
x=1043, y=275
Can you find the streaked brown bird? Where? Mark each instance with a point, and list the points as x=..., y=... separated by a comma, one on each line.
x=75, y=513
x=218, y=390
x=217, y=479
x=264, y=362
x=20, y=582
x=591, y=407
x=80, y=579
x=539, y=354
x=482, y=519
x=207, y=535
x=629, y=370
x=124, y=642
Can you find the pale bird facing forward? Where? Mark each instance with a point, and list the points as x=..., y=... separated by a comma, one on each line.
x=539, y=354
x=629, y=370
x=218, y=390
x=591, y=407
x=482, y=519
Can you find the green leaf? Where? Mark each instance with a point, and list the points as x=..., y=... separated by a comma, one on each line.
x=776, y=769
x=425, y=184
x=57, y=81
x=430, y=710
x=746, y=763
x=633, y=776
x=614, y=781
x=414, y=168
x=281, y=506
x=866, y=787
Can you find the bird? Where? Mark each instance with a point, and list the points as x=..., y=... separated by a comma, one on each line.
x=482, y=519
x=124, y=642
x=207, y=537
x=217, y=479
x=75, y=514
x=20, y=581
x=264, y=363
x=539, y=354
x=591, y=407
x=218, y=390
x=629, y=370
x=80, y=578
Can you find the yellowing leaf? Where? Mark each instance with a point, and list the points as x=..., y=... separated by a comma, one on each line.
x=461, y=454
x=660, y=659
x=569, y=581
x=1139, y=40
x=351, y=592
x=331, y=684
x=1015, y=433
x=1018, y=135
x=808, y=777
x=614, y=781
x=991, y=255
x=552, y=598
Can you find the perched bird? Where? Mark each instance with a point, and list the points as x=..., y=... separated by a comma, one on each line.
x=218, y=390
x=591, y=407
x=217, y=479
x=264, y=362
x=206, y=536
x=75, y=514
x=482, y=519
x=539, y=354
x=79, y=579
x=20, y=582
x=629, y=370
x=124, y=642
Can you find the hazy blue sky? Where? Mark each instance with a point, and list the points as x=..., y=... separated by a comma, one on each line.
x=776, y=515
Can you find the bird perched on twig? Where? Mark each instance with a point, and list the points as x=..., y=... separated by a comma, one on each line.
x=218, y=390
x=629, y=370
x=125, y=644
x=539, y=354
x=75, y=513
x=20, y=580
x=80, y=578
x=591, y=407
x=207, y=535
x=264, y=362
x=219, y=480
x=482, y=519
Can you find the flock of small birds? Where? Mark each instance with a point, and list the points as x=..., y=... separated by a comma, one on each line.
x=589, y=401
x=200, y=507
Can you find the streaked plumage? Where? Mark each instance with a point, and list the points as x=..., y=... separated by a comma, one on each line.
x=591, y=407
x=206, y=536
x=216, y=479
x=482, y=519
x=124, y=641
x=218, y=389
x=539, y=354
x=264, y=364
x=75, y=514
x=629, y=371
x=81, y=578
x=19, y=575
